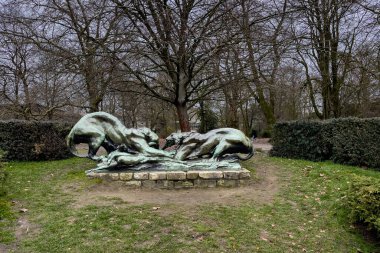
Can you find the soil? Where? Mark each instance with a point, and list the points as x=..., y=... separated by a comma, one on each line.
x=23, y=229
x=262, y=144
x=261, y=189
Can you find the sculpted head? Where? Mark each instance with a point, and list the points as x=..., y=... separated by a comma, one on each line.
x=176, y=138
x=151, y=137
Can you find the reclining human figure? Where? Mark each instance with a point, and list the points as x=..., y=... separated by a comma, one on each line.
x=213, y=144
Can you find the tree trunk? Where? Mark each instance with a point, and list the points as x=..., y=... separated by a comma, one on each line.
x=231, y=98
x=268, y=114
x=232, y=116
x=266, y=108
x=183, y=117
x=93, y=98
x=246, y=119
x=180, y=103
x=94, y=104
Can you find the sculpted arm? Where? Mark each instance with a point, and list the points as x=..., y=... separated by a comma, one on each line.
x=142, y=146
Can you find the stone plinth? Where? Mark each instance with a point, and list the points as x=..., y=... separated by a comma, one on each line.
x=177, y=179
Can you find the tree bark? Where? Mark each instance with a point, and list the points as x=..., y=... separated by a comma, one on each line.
x=93, y=99
x=268, y=112
x=94, y=105
x=232, y=116
x=183, y=117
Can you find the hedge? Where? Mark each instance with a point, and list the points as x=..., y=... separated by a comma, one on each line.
x=363, y=202
x=350, y=141
x=32, y=140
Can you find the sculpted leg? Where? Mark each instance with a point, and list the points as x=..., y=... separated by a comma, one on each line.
x=108, y=146
x=143, y=147
x=94, y=145
x=156, y=152
x=207, y=148
x=185, y=151
x=218, y=152
x=129, y=160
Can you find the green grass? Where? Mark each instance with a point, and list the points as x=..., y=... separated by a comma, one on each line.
x=6, y=214
x=307, y=214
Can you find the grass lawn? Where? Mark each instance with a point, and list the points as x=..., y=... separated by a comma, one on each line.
x=66, y=212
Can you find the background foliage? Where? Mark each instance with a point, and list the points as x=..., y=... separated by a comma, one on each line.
x=253, y=62
x=346, y=140
x=208, y=119
x=364, y=201
x=30, y=140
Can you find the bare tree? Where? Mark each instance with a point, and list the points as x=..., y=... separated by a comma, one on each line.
x=265, y=44
x=142, y=59
x=326, y=33
x=76, y=32
x=16, y=73
x=29, y=87
x=231, y=72
x=54, y=87
x=177, y=40
x=361, y=94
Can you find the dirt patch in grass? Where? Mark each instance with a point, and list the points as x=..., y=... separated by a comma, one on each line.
x=262, y=189
x=25, y=228
x=7, y=247
x=262, y=144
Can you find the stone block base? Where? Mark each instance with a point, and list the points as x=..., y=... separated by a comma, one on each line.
x=177, y=179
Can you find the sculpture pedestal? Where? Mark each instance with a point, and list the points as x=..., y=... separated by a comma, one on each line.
x=177, y=179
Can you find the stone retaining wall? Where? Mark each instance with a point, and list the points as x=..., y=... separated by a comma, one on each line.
x=177, y=179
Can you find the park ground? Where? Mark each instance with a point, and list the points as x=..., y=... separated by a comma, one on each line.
x=289, y=206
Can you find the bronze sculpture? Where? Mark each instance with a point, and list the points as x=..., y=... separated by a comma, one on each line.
x=213, y=144
x=100, y=129
x=137, y=149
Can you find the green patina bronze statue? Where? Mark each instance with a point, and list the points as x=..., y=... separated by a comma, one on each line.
x=100, y=129
x=214, y=144
x=137, y=149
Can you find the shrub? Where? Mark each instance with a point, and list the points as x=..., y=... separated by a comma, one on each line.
x=300, y=139
x=29, y=140
x=363, y=201
x=349, y=141
x=356, y=141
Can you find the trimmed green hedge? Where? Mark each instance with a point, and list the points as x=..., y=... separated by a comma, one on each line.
x=32, y=141
x=363, y=202
x=350, y=141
